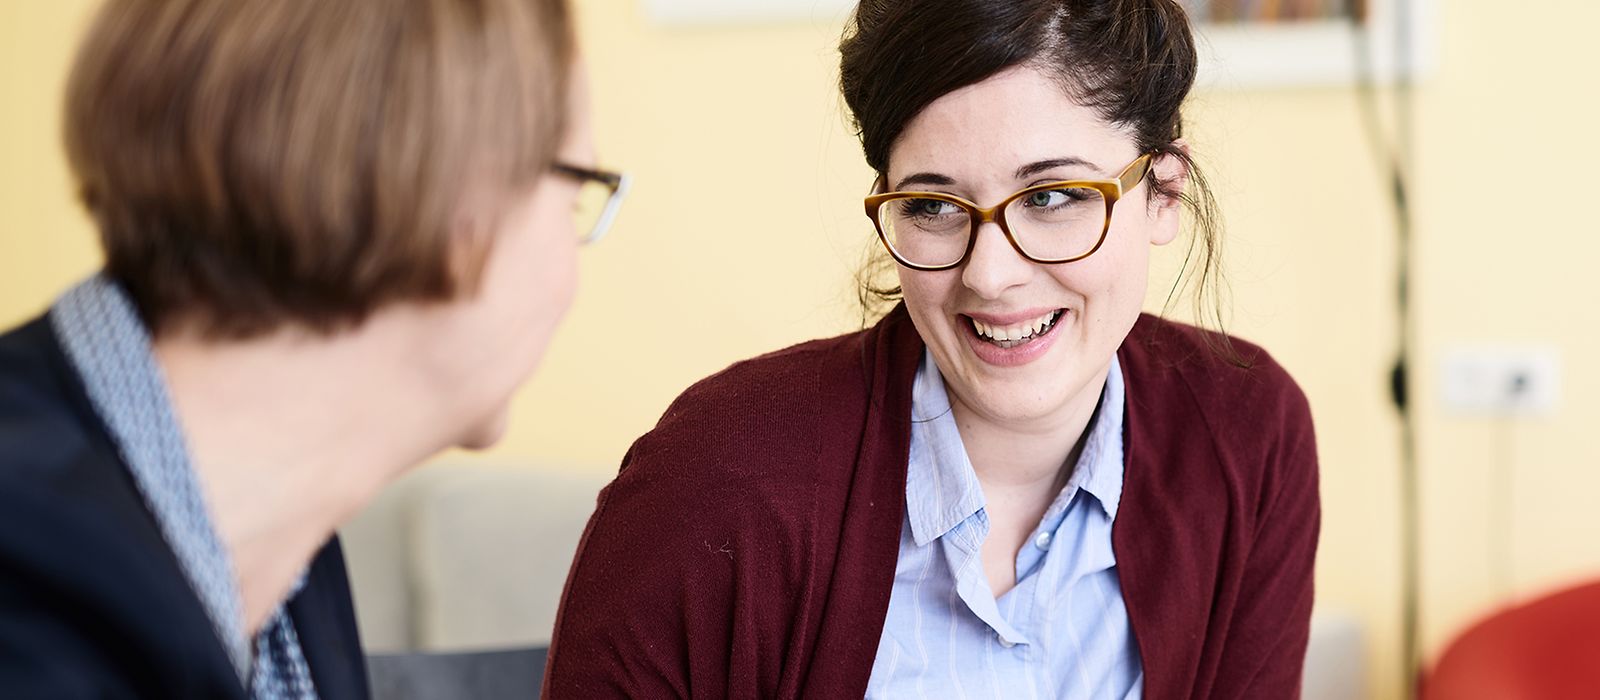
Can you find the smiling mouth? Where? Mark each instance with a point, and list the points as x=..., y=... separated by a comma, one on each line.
x=1018, y=334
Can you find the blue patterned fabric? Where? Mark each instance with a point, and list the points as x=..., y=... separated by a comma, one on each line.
x=110, y=349
x=1062, y=631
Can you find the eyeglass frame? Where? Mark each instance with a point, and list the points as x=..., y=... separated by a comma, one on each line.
x=1111, y=190
x=619, y=184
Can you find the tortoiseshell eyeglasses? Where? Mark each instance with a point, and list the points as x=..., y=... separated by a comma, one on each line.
x=1051, y=222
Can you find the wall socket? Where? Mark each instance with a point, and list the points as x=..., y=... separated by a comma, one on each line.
x=1501, y=380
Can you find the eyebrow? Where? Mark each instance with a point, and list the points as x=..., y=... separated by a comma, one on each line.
x=924, y=179
x=1023, y=173
x=1035, y=168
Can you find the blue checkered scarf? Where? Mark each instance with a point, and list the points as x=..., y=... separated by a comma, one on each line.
x=110, y=349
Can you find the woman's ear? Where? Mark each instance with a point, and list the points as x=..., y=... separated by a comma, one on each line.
x=1169, y=176
x=470, y=240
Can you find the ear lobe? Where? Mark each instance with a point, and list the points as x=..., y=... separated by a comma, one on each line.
x=1173, y=174
x=469, y=239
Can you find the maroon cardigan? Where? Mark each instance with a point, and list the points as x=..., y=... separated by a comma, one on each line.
x=747, y=548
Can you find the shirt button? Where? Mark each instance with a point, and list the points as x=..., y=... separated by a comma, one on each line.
x=1042, y=541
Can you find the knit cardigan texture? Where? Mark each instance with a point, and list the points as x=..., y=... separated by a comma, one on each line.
x=747, y=547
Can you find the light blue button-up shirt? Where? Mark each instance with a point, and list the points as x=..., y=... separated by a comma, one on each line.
x=1062, y=631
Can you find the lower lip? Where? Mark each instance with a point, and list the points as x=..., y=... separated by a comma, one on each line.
x=1012, y=356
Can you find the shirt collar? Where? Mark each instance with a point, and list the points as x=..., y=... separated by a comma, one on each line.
x=942, y=490
x=101, y=333
x=1100, y=466
x=110, y=350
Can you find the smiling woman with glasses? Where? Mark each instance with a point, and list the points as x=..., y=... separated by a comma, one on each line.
x=1015, y=484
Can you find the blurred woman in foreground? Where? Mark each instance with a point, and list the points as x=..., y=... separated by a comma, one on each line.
x=337, y=236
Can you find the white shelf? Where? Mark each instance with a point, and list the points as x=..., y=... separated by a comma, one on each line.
x=1316, y=53
x=692, y=13
x=1313, y=53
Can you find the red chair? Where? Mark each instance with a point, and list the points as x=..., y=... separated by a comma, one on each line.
x=1545, y=649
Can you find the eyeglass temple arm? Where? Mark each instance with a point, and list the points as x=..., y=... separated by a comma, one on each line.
x=620, y=186
x=1135, y=172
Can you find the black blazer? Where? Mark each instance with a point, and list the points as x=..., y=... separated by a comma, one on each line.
x=92, y=601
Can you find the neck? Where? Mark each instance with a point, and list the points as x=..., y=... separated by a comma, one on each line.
x=1022, y=465
x=291, y=435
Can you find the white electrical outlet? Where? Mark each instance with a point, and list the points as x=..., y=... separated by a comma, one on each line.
x=1501, y=380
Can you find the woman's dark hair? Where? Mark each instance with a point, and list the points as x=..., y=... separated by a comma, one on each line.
x=1133, y=61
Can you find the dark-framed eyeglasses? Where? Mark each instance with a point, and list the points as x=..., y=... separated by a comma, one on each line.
x=1051, y=223
x=600, y=197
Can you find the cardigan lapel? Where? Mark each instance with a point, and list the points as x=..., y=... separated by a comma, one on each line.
x=862, y=576
x=1168, y=537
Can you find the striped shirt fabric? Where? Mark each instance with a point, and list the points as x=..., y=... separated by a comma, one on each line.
x=1062, y=631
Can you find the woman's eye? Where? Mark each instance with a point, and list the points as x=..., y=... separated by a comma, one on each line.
x=1066, y=197
x=928, y=207
x=1046, y=199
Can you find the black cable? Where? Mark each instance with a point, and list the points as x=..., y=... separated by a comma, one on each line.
x=1502, y=499
x=1393, y=159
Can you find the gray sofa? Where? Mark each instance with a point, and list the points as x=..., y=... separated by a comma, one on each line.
x=472, y=558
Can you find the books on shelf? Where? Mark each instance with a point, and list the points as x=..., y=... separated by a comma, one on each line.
x=1273, y=11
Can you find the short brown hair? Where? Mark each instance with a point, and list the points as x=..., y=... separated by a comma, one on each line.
x=256, y=163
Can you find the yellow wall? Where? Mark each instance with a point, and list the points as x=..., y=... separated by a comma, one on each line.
x=1507, y=247
x=45, y=240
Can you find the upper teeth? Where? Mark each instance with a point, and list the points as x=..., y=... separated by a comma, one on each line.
x=1026, y=329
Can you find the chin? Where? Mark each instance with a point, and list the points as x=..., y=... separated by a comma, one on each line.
x=1036, y=391
x=487, y=433
x=1004, y=408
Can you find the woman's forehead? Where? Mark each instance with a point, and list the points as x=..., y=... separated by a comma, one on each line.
x=1001, y=124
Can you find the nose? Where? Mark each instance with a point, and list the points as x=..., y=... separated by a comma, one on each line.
x=994, y=265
